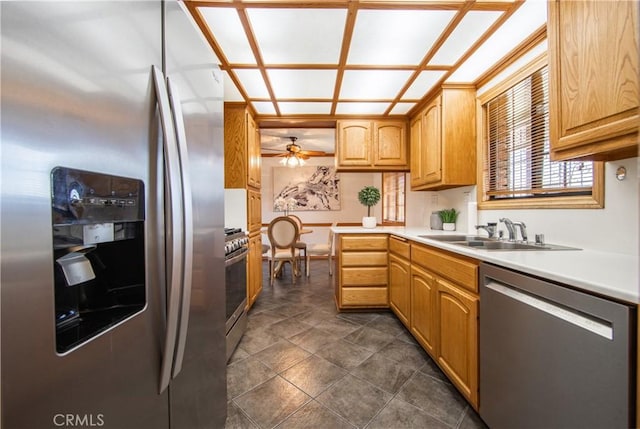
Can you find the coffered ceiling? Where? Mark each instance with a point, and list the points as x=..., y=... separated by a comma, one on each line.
x=321, y=60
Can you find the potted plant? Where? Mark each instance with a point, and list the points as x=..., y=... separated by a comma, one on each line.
x=369, y=196
x=449, y=217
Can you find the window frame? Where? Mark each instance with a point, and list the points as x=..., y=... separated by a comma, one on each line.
x=386, y=221
x=593, y=201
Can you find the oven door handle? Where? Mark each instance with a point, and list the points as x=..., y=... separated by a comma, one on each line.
x=236, y=258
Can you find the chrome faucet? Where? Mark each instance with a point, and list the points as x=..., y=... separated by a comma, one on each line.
x=510, y=229
x=523, y=230
x=490, y=227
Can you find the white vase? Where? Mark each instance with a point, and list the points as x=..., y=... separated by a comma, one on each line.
x=369, y=222
x=449, y=226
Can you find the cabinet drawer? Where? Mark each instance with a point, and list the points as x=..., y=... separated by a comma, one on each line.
x=363, y=259
x=364, y=296
x=364, y=242
x=400, y=246
x=364, y=276
x=462, y=271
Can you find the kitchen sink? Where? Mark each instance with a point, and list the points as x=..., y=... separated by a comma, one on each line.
x=485, y=243
x=456, y=237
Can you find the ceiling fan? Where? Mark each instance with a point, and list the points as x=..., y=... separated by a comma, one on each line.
x=294, y=155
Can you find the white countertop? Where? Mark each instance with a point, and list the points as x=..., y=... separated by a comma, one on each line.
x=609, y=274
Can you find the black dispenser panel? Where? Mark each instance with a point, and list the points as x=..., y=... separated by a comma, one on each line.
x=98, y=253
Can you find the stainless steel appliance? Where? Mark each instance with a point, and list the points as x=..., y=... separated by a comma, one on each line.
x=112, y=290
x=552, y=357
x=236, y=252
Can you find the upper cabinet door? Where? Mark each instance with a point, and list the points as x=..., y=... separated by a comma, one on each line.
x=593, y=71
x=415, y=140
x=432, y=142
x=371, y=145
x=253, y=146
x=390, y=143
x=354, y=143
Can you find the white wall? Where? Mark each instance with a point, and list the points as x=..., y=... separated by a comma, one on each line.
x=351, y=211
x=612, y=229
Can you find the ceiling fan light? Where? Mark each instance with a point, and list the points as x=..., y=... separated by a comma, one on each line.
x=292, y=161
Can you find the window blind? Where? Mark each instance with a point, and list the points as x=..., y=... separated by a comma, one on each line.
x=518, y=163
x=393, y=198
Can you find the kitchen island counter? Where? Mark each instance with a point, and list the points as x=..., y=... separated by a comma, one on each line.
x=611, y=275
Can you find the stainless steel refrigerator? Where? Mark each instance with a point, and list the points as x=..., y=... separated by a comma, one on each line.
x=112, y=240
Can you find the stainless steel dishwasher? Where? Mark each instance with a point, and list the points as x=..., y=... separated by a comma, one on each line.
x=553, y=357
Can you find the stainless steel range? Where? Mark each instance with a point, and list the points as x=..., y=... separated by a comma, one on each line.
x=236, y=249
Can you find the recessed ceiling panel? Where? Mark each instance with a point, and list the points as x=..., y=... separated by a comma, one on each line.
x=253, y=84
x=361, y=108
x=298, y=36
x=372, y=84
x=395, y=36
x=468, y=31
x=296, y=83
x=402, y=108
x=423, y=84
x=524, y=22
x=264, y=107
x=304, y=108
x=226, y=28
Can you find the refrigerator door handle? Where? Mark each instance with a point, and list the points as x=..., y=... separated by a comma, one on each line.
x=174, y=233
x=178, y=120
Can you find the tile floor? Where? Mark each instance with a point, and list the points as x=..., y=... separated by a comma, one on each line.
x=301, y=364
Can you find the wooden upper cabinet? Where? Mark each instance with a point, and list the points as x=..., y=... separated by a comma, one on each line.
x=390, y=143
x=432, y=141
x=254, y=174
x=593, y=79
x=443, y=141
x=353, y=144
x=242, y=162
x=415, y=139
x=363, y=145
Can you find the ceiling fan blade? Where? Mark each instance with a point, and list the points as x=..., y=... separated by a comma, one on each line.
x=313, y=152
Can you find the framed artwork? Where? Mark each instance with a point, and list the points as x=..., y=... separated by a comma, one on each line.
x=315, y=187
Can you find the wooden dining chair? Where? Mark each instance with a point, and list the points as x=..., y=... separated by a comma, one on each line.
x=321, y=249
x=301, y=245
x=282, y=233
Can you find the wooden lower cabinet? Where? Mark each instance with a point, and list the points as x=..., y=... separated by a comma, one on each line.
x=457, y=353
x=399, y=280
x=424, y=318
x=444, y=314
x=362, y=267
x=254, y=269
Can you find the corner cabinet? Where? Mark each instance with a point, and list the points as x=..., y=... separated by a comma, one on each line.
x=364, y=145
x=593, y=79
x=444, y=314
x=443, y=141
x=399, y=279
x=362, y=271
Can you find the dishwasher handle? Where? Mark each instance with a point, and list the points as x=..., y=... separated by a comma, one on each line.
x=575, y=317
